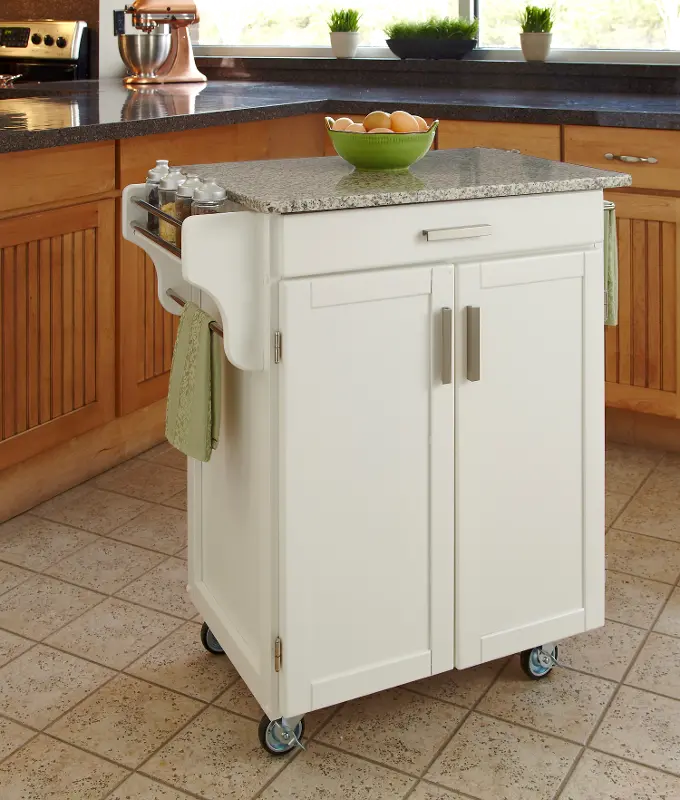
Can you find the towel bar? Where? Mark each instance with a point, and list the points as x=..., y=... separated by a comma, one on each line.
x=214, y=327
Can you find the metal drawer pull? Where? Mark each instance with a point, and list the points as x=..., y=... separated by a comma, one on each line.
x=631, y=159
x=474, y=343
x=467, y=232
x=447, y=338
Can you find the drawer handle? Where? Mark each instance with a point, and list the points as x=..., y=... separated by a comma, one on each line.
x=466, y=232
x=474, y=343
x=447, y=349
x=631, y=159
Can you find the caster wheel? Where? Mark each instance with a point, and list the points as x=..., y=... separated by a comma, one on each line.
x=273, y=737
x=209, y=641
x=538, y=663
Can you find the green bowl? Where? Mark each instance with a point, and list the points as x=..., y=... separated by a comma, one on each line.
x=377, y=152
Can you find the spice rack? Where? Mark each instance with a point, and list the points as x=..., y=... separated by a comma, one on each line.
x=160, y=215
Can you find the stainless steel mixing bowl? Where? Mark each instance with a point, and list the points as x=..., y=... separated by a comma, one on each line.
x=144, y=53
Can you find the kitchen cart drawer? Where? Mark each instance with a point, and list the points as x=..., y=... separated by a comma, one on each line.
x=531, y=140
x=434, y=233
x=37, y=177
x=651, y=157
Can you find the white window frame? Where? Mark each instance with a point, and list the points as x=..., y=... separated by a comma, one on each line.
x=466, y=9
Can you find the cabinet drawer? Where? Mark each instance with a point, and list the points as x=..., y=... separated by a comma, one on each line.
x=532, y=140
x=589, y=146
x=395, y=236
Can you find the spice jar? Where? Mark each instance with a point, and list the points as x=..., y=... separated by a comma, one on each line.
x=153, y=181
x=167, y=195
x=185, y=195
x=209, y=199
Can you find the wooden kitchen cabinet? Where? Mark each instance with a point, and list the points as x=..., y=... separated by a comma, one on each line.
x=531, y=140
x=57, y=355
x=642, y=351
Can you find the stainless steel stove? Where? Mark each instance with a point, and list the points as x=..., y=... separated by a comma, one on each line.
x=44, y=50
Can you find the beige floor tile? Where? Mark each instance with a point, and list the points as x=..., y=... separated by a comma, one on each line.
x=144, y=480
x=566, y=703
x=11, y=576
x=669, y=621
x=643, y=727
x=12, y=737
x=45, y=769
x=492, y=760
x=163, y=588
x=657, y=668
x=635, y=601
x=105, y=565
x=178, y=500
x=627, y=467
x=652, y=514
x=665, y=478
x=614, y=503
x=166, y=454
x=126, y=720
x=396, y=728
x=606, y=652
x=184, y=553
x=601, y=777
x=40, y=685
x=42, y=604
x=11, y=646
x=644, y=556
x=217, y=756
x=115, y=633
x=137, y=787
x=426, y=791
x=461, y=686
x=29, y=541
x=327, y=774
x=181, y=663
x=158, y=528
x=90, y=509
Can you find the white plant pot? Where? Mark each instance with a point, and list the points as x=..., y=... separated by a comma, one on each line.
x=535, y=46
x=345, y=44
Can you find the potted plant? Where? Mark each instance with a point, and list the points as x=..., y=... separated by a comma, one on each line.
x=344, y=28
x=536, y=35
x=437, y=37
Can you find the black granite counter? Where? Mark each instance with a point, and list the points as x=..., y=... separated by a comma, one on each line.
x=58, y=114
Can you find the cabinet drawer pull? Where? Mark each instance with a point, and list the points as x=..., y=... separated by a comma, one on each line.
x=447, y=348
x=631, y=159
x=474, y=343
x=466, y=232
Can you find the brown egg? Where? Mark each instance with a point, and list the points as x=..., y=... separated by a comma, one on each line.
x=403, y=122
x=342, y=124
x=377, y=119
x=421, y=122
x=381, y=130
x=355, y=127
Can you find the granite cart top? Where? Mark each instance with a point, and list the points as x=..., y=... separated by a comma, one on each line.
x=324, y=184
x=44, y=115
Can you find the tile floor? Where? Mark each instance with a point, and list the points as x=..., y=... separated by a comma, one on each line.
x=106, y=692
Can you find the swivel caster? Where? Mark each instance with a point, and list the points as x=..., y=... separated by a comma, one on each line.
x=539, y=661
x=278, y=738
x=209, y=641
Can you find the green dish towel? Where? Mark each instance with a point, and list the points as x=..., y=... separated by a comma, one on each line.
x=611, y=267
x=192, y=420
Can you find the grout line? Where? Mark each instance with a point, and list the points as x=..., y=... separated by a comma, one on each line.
x=642, y=577
x=613, y=527
x=630, y=760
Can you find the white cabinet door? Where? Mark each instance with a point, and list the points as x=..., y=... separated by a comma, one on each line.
x=366, y=484
x=529, y=453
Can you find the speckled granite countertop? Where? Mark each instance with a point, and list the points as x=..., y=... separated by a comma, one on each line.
x=45, y=115
x=325, y=184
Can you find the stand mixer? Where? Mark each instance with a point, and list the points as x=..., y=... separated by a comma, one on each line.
x=151, y=57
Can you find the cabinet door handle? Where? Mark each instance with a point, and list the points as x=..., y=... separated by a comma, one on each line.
x=631, y=159
x=465, y=232
x=447, y=348
x=474, y=343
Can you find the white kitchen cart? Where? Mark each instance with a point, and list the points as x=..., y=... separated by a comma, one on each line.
x=410, y=474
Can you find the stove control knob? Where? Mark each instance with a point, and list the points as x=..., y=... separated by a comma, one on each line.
x=61, y=42
x=36, y=38
x=49, y=40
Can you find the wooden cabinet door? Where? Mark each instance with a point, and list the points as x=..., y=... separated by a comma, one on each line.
x=57, y=301
x=529, y=453
x=641, y=359
x=531, y=140
x=366, y=484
